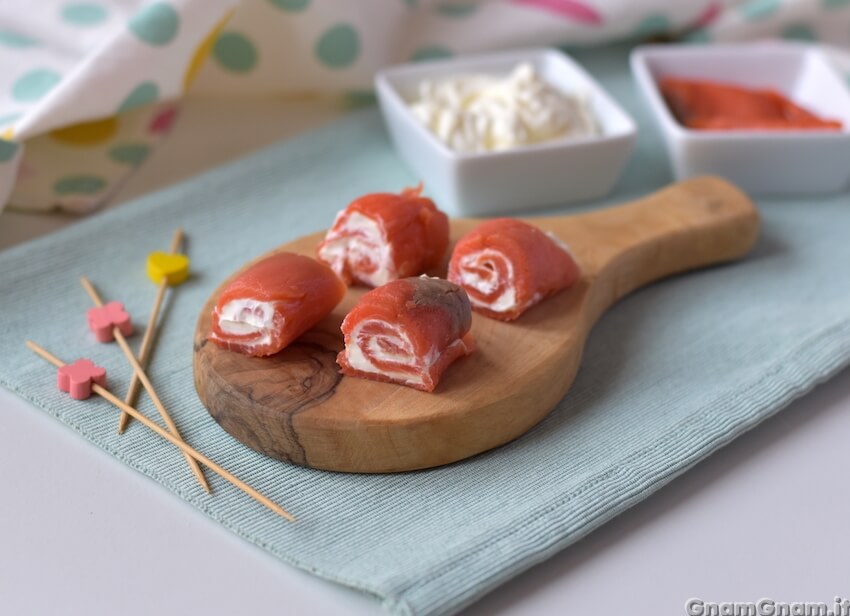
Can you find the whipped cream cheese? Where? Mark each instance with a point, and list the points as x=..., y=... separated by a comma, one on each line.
x=480, y=113
x=358, y=359
x=245, y=317
x=472, y=276
x=360, y=239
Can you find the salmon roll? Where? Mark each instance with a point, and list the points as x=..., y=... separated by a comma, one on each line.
x=506, y=266
x=273, y=302
x=408, y=332
x=382, y=237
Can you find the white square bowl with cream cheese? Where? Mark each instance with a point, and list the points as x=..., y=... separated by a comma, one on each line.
x=561, y=170
x=759, y=161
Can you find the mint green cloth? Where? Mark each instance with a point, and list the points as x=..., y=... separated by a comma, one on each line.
x=670, y=374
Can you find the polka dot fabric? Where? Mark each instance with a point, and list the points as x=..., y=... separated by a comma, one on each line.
x=235, y=52
x=89, y=87
x=810, y=21
x=84, y=14
x=156, y=24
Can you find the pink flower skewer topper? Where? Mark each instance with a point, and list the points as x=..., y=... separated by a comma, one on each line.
x=77, y=378
x=102, y=320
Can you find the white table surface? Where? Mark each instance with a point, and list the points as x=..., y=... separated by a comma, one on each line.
x=80, y=533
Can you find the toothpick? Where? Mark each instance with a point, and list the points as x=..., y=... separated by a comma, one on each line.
x=147, y=340
x=140, y=373
x=186, y=449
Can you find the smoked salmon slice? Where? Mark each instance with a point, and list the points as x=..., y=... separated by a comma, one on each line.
x=506, y=266
x=709, y=105
x=382, y=237
x=273, y=302
x=407, y=331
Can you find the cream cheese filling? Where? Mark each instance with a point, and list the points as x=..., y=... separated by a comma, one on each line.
x=471, y=276
x=247, y=317
x=358, y=358
x=360, y=239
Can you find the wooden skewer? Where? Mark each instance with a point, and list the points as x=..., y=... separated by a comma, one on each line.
x=186, y=449
x=140, y=372
x=147, y=340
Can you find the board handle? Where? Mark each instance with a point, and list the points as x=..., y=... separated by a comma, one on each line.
x=690, y=224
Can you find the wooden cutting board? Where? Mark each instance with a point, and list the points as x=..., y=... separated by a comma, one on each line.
x=295, y=406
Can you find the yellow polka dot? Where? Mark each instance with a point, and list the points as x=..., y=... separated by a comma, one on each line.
x=8, y=134
x=203, y=51
x=87, y=133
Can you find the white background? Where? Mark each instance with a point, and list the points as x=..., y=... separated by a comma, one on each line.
x=80, y=533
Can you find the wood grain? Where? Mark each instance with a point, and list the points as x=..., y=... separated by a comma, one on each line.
x=296, y=407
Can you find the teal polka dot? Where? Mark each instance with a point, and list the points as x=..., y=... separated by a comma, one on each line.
x=7, y=150
x=235, y=53
x=339, y=46
x=9, y=118
x=431, y=52
x=359, y=98
x=13, y=39
x=652, y=25
x=698, y=37
x=759, y=9
x=456, y=9
x=79, y=185
x=156, y=24
x=33, y=85
x=83, y=14
x=129, y=154
x=799, y=32
x=143, y=94
x=834, y=4
x=291, y=5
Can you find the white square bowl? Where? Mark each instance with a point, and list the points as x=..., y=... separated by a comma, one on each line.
x=554, y=172
x=760, y=162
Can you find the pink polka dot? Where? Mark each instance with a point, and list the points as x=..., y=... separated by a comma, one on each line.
x=708, y=16
x=571, y=9
x=162, y=121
